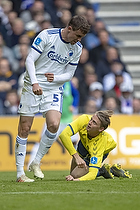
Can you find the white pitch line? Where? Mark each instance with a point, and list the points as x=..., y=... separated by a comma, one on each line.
x=86, y=192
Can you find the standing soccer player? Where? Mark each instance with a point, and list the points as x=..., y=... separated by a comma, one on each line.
x=51, y=62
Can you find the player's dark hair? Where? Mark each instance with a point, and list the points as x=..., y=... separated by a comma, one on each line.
x=79, y=22
x=104, y=117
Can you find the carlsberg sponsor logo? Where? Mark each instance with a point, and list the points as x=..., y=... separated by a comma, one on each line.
x=57, y=57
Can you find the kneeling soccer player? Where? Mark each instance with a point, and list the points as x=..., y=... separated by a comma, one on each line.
x=93, y=148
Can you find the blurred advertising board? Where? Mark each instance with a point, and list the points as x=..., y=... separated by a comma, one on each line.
x=125, y=130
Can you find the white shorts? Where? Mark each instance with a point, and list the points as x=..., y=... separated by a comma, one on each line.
x=30, y=104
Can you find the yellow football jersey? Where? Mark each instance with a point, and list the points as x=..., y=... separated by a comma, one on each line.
x=96, y=147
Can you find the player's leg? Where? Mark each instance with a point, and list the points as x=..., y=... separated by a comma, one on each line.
x=29, y=105
x=118, y=171
x=73, y=165
x=77, y=172
x=100, y=172
x=25, y=123
x=49, y=136
x=105, y=169
x=51, y=107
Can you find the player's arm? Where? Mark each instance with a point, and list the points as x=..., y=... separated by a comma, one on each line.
x=30, y=67
x=67, y=76
x=80, y=175
x=65, y=137
x=66, y=140
x=69, y=69
x=91, y=175
x=36, y=50
x=71, y=129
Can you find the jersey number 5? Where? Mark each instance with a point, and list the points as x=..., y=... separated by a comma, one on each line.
x=55, y=98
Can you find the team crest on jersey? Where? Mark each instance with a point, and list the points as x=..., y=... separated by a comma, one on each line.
x=37, y=41
x=53, y=47
x=70, y=53
x=94, y=160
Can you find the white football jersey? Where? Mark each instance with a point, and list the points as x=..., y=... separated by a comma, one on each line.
x=56, y=56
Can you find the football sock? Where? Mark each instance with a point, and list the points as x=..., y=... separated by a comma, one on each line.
x=100, y=171
x=46, y=142
x=20, y=152
x=98, y=174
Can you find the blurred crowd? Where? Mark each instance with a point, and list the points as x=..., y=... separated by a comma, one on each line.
x=102, y=78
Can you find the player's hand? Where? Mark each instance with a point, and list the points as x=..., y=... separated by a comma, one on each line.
x=50, y=77
x=79, y=161
x=70, y=178
x=37, y=90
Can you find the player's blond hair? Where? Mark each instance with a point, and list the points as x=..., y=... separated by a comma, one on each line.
x=104, y=117
x=79, y=22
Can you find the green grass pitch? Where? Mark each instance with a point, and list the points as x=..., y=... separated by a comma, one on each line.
x=54, y=193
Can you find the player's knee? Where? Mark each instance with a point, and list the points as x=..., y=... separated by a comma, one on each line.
x=78, y=172
x=53, y=126
x=24, y=131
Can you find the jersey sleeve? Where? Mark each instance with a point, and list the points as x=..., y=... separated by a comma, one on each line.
x=40, y=41
x=66, y=140
x=67, y=76
x=30, y=66
x=69, y=131
x=91, y=175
